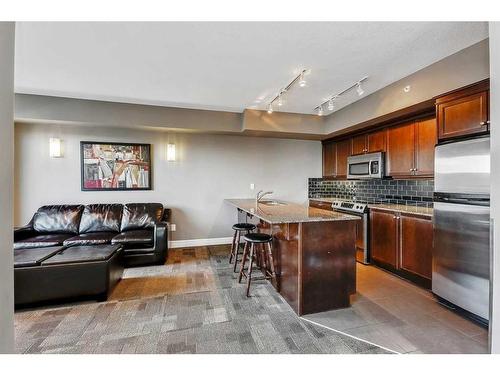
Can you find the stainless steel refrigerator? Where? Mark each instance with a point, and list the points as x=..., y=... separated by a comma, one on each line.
x=461, y=255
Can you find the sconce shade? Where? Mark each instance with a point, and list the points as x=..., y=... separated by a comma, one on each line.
x=55, y=148
x=171, y=152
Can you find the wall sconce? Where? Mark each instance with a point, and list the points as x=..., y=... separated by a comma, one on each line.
x=171, y=152
x=55, y=149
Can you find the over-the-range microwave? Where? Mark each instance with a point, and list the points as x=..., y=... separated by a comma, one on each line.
x=366, y=166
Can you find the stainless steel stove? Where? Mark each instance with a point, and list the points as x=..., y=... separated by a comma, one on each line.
x=362, y=232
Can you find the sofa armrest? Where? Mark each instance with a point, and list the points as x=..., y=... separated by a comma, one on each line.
x=161, y=238
x=24, y=232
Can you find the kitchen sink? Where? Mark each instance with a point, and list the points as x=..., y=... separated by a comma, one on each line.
x=272, y=203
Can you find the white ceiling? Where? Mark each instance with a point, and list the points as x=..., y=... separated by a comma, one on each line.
x=227, y=66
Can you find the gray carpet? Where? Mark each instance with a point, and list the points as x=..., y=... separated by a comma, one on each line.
x=221, y=320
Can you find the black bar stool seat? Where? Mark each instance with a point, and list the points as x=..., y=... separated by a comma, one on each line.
x=235, y=248
x=263, y=240
x=243, y=226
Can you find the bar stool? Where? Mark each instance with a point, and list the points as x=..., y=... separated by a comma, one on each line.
x=261, y=239
x=238, y=228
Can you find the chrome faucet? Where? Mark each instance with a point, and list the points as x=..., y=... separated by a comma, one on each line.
x=261, y=194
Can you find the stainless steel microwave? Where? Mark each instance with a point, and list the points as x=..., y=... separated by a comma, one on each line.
x=366, y=166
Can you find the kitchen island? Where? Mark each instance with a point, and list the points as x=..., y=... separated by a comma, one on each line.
x=314, y=252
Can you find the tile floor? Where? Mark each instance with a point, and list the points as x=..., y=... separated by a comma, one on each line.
x=396, y=314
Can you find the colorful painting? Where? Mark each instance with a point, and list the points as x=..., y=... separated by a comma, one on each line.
x=116, y=166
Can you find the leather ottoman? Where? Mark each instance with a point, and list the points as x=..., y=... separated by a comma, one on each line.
x=66, y=273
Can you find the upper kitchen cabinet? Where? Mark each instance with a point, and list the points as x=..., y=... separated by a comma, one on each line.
x=463, y=112
x=330, y=159
x=359, y=144
x=343, y=151
x=371, y=142
x=377, y=141
x=400, y=158
x=410, y=149
x=425, y=141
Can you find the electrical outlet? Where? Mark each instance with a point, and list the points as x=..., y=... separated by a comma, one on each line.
x=252, y=186
x=172, y=227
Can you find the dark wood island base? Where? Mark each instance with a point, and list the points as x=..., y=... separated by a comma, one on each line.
x=314, y=258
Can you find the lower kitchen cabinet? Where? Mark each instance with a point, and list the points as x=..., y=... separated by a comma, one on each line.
x=402, y=243
x=383, y=229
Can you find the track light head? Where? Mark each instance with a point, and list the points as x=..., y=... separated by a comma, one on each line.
x=270, y=109
x=331, y=105
x=302, y=81
x=280, y=100
x=359, y=89
x=320, y=110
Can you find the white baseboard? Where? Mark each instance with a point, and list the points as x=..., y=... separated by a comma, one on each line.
x=200, y=242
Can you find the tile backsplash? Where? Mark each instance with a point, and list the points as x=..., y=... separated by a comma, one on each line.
x=407, y=192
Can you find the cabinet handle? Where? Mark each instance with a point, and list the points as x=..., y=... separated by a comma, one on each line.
x=482, y=123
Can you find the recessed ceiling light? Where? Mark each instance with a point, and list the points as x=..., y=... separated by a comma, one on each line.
x=407, y=88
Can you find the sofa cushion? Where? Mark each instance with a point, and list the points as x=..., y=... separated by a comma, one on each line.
x=96, y=238
x=78, y=254
x=101, y=218
x=43, y=240
x=34, y=257
x=140, y=216
x=58, y=219
x=134, y=238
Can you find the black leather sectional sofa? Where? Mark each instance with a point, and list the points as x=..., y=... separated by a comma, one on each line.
x=68, y=251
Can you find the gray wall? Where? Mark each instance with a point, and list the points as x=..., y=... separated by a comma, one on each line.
x=495, y=179
x=209, y=169
x=6, y=172
x=460, y=69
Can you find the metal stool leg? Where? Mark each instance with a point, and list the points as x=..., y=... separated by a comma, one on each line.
x=243, y=261
x=236, y=250
x=250, y=266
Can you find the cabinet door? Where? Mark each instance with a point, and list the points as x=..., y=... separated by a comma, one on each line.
x=329, y=159
x=425, y=140
x=384, y=237
x=463, y=115
x=343, y=151
x=400, y=150
x=377, y=141
x=416, y=245
x=359, y=145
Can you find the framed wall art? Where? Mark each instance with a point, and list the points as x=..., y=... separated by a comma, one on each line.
x=115, y=166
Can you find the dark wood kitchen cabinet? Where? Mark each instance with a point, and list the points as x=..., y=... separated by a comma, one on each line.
x=400, y=150
x=383, y=228
x=377, y=141
x=402, y=243
x=463, y=112
x=425, y=141
x=410, y=149
x=330, y=159
x=371, y=142
x=343, y=151
x=359, y=144
x=416, y=245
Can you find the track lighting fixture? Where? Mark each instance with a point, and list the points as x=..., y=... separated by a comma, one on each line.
x=359, y=89
x=331, y=100
x=279, y=98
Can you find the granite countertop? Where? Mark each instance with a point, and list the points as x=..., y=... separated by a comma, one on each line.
x=288, y=212
x=425, y=211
